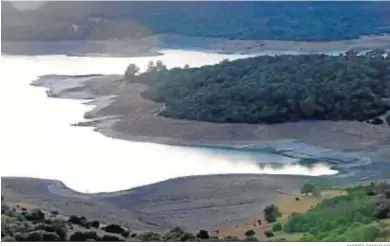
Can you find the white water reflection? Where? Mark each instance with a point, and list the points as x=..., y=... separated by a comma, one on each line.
x=37, y=140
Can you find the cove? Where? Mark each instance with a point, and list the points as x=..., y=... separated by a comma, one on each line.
x=39, y=141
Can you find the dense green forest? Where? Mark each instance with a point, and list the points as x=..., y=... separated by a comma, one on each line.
x=360, y=216
x=276, y=89
x=310, y=21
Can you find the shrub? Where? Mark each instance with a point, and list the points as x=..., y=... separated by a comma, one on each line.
x=76, y=220
x=8, y=239
x=382, y=209
x=50, y=237
x=133, y=235
x=277, y=227
x=35, y=215
x=113, y=228
x=187, y=237
x=78, y=236
x=307, y=188
x=203, y=234
x=60, y=228
x=271, y=212
x=250, y=233
x=83, y=236
x=297, y=199
x=95, y=224
x=55, y=213
x=125, y=233
x=34, y=236
x=269, y=233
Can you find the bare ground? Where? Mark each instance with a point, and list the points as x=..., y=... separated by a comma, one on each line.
x=193, y=203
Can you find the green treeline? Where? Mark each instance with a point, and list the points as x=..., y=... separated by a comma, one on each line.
x=298, y=21
x=276, y=89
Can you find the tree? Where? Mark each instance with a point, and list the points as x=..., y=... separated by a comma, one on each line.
x=131, y=71
x=203, y=234
x=95, y=224
x=250, y=233
x=160, y=66
x=271, y=212
x=307, y=188
x=125, y=233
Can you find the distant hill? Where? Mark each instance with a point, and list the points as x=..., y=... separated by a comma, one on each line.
x=298, y=21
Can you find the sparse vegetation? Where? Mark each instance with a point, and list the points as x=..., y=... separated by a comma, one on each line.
x=351, y=217
x=250, y=233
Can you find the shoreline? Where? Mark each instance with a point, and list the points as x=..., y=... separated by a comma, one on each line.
x=120, y=112
x=150, y=46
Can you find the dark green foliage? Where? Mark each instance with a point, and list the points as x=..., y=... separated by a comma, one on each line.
x=297, y=199
x=77, y=220
x=110, y=238
x=317, y=21
x=113, y=228
x=34, y=236
x=250, y=233
x=55, y=213
x=307, y=188
x=35, y=215
x=271, y=212
x=125, y=233
x=203, y=234
x=269, y=233
x=382, y=209
x=84, y=236
x=276, y=89
x=376, y=121
x=95, y=224
x=50, y=237
x=277, y=227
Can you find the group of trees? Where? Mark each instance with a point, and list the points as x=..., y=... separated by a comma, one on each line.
x=356, y=216
x=311, y=21
x=276, y=89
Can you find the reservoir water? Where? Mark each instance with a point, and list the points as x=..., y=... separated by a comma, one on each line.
x=38, y=139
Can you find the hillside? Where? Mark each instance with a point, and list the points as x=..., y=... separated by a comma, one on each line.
x=358, y=213
x=276, y=89
x=296, y=21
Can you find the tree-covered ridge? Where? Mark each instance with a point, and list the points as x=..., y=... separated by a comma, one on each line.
x=299, y=21
x=276, y=89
